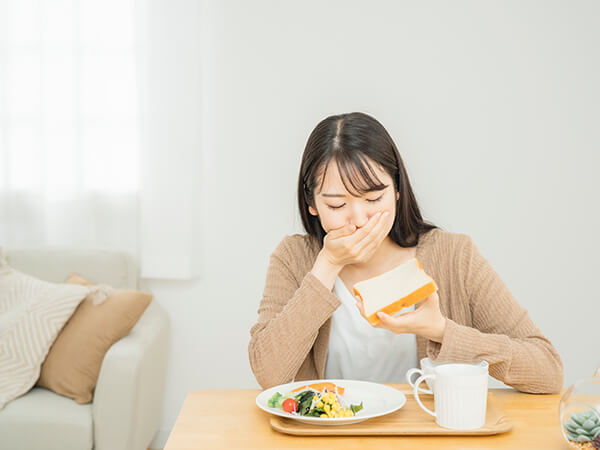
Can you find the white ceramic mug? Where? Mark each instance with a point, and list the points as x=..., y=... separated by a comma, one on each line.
x=460, y=395
x=427, y=366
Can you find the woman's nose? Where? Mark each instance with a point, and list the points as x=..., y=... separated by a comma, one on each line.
x=359, y=217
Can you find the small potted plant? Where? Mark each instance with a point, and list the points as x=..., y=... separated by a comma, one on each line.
x=580, y=413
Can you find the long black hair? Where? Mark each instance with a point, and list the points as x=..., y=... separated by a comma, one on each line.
x=352, y=141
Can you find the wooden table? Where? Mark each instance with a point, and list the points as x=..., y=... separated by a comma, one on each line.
x=218, y=419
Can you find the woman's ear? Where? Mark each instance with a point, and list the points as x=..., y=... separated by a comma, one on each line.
x=397, y=196
x=313, y=211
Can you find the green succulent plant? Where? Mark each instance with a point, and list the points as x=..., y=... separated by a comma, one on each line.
x=583, y=426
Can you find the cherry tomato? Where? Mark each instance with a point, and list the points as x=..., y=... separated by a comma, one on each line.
x=290, y=405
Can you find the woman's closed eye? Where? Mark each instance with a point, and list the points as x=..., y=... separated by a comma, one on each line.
x=373, y=200
x=370, y=200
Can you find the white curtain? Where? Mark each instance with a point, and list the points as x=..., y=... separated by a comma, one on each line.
x=69, y=153
x=82, y=91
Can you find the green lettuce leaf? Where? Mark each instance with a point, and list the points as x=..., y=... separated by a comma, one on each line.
x=275, y=401
x=356, y=408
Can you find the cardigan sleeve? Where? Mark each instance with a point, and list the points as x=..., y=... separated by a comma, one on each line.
x=290, y=314
x=502, y=332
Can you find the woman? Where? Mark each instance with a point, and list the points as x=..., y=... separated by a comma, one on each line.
x=362, y=219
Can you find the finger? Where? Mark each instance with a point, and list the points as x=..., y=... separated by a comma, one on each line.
x=387, y=322
x=399, y=324
x=360, y=306
x=431, y=299
x=387, y=220
x=372, y=231
x=367, y=251
x=360, y=309
x=361, y=233
x=346, y=230
x=383, y=316
x=370, y=244
x=382, y=226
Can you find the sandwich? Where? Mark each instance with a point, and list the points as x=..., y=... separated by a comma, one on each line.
x=395, y=290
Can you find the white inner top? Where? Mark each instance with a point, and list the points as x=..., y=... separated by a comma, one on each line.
x=358, y=351
x=380, y=291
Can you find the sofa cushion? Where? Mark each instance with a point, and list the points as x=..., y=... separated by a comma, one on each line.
x=43, y=420
x=32, y=312
x=74, y=361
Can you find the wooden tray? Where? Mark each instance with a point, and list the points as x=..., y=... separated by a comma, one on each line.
x=410, y=420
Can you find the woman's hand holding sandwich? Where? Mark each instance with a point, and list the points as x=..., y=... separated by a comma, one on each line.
x=426, y=320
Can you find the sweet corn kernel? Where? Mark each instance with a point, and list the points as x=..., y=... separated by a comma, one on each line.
x=323, y=416
x=327, y=408
x=315, y=398
x=319, y=404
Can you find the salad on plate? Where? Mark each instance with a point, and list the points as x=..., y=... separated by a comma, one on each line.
x=324, y=400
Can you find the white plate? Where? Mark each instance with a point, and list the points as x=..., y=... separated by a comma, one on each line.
x=377, y=400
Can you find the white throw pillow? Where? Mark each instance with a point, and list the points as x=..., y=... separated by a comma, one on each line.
x=32, y=313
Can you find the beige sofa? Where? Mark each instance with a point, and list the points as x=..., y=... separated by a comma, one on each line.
x=127, y=407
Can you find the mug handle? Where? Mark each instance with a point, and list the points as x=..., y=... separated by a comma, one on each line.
x=416, y=392
x=409, y=376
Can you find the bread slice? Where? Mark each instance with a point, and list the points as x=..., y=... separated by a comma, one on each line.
x=393, y=291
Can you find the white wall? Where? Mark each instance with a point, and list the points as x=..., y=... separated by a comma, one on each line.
x=495, y=107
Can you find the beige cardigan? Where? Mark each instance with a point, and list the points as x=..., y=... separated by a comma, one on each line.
x=291, y=337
